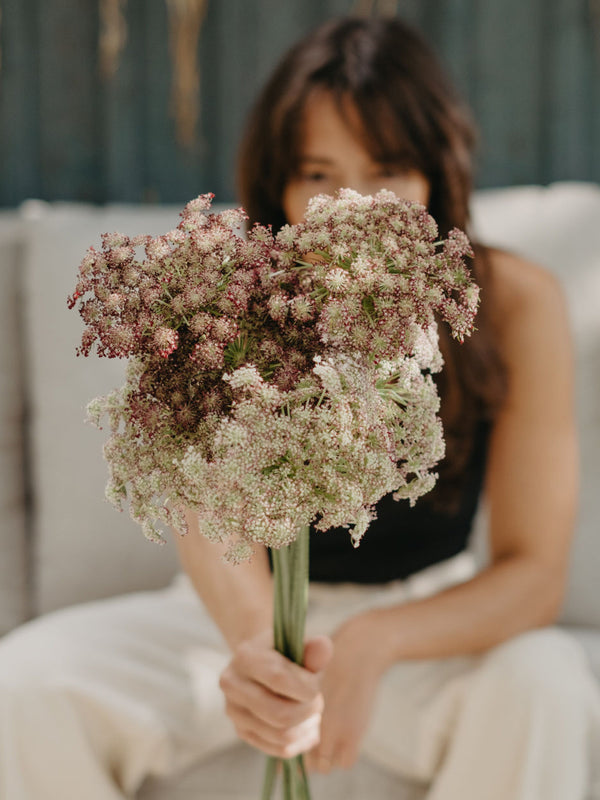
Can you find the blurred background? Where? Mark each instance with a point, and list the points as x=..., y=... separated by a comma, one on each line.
x=144, y=100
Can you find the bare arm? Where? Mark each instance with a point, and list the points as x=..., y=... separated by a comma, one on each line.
x=238, y=597
x=531, y=490
x=274, y=704
x=531, y=487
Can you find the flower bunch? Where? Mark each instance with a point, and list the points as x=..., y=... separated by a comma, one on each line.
x=371, y=274
x=192, y=309
x=326, y=451
x=278, y=381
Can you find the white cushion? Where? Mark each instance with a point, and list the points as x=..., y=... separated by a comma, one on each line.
x=559, y=227
x=589, y=639
x=13, y=595
x=84, y=549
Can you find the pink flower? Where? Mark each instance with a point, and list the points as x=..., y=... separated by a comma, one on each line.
x=165, y=341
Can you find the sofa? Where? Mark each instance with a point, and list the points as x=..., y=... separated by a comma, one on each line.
x=62, y=543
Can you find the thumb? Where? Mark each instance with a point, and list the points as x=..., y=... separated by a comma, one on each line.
x=317, y=653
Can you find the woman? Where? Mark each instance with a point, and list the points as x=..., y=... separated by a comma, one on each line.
x=365, y=105
x=436, y=672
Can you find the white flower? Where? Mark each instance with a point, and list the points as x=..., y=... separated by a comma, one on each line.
x=244, y=378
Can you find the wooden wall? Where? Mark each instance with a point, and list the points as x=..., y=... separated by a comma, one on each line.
x=529, y=68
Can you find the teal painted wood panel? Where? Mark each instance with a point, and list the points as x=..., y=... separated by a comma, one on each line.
x=453, y=30
x=70, y=138
x=594, y=32
x=122, y=116
x=573, y=89
x=508, y=94
x=168, y=168
x=530, y=69
x=20, y=153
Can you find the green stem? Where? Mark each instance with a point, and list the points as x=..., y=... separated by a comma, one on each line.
x=290, y=578
x=304, y=784
x=269, y=779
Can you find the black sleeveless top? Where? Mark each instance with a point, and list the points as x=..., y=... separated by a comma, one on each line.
x=402, y=540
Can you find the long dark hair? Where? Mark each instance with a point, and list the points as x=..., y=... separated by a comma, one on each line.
x=409, y=112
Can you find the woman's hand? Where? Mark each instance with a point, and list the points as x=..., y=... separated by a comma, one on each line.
x=276, y=705
x=349, y=688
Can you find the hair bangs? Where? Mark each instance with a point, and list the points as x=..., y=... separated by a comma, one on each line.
x=388, y=131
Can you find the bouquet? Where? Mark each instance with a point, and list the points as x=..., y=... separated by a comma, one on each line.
x=275, y=381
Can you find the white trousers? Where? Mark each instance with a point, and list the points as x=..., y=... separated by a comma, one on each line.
x=94, y=699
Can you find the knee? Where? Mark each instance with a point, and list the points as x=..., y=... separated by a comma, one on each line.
x=544, y=666
x=43, y=664
x=43, y=653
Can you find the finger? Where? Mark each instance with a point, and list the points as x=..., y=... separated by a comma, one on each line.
x=318, y=653
x=274, y=741
x=325, y=764
x=334, y=753
x=246, y=722
x=320, y=762
x=347, y=757
x=275, y=750
x=277, y=673
x=279, y=712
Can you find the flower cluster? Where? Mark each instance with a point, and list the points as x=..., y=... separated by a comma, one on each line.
x=192, y=309
x=274, y=382
x=326, y=451
x=371, y=274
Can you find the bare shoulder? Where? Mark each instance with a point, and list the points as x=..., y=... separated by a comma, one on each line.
x=534, y=336
x=528, y=300
x=533, y=448
x=521, y=285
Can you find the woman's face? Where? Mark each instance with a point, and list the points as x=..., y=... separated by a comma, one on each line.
x=332, y=157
